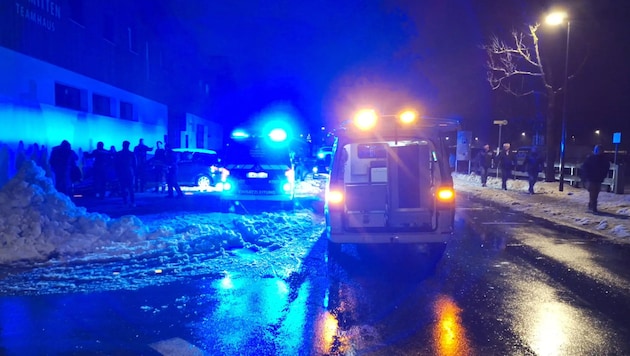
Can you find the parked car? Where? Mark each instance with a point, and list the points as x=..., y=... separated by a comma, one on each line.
x=196, y=167
x=322, y=164
x=324, y=153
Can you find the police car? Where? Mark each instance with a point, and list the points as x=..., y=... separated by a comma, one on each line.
x=257, y=167
x=390, y=182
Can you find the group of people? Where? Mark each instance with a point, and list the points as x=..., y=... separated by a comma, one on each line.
x=130, y=169
x=592, y=172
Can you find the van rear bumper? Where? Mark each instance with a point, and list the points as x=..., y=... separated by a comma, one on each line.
x=390, y=237
x=338, y=233
x=244, y=197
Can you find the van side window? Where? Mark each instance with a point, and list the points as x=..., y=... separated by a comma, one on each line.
x=371, y=150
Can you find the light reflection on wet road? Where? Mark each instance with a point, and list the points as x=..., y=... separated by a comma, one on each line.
x=507, y=285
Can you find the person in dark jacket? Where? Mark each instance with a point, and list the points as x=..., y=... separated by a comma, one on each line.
x=505, y=162
x=140, y=151
x=63, y=161
x=102, y=159
x=171, y=172
x=594, y=170
x=159, y=167
x=533, y=166
x=125, y=163
x=484, y=161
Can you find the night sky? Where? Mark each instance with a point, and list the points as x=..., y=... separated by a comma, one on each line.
x=327, y=58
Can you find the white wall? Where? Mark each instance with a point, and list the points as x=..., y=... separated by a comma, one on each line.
x=213, y=133
x=28, y=111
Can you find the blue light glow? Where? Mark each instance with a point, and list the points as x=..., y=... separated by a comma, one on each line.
x=278, y=135
x=49, y=125
x=239, y=134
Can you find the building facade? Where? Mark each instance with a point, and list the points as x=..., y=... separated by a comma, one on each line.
x=89, y=71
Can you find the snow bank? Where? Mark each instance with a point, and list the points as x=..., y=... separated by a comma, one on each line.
x=568, y=207
x=38, y=223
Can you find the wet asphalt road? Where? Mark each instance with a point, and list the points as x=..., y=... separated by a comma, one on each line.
x=508, y=285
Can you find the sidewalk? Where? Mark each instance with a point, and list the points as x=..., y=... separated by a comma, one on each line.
x=568, y=207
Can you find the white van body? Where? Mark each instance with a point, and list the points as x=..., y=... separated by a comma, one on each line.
x=391, y=184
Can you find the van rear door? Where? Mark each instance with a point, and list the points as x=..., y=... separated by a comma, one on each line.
x=391, y=191
x=411, y=201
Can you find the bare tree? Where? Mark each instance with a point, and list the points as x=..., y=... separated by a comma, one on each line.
x=517, y=69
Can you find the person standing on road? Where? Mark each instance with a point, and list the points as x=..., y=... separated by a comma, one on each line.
x=102, y=158
x=126, y=170
x=505, y=160
x=594, y=170
x=159, y=165
x=533, y=166
x=140, y=151
x=171, y=172
x=484, y=161
x=63, y=161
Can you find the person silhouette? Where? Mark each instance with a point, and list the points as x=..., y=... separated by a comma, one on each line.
x=125, y=163
x=171, y=160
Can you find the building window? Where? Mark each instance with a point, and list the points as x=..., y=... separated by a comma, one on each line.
x=108, y=27
x=101, y=105
x=199, y=136
x=76, y=11
x=68, y=97
x=126, y=111
x=133, y=39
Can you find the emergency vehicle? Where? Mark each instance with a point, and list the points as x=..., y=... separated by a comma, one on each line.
x=390, y=182
x=257, y=167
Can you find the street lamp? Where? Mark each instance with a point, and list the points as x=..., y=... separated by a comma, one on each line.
x=557, y=18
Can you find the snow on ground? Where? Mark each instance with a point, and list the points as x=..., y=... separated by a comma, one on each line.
x=64, y=247
x=48, y=244
x=568, y=207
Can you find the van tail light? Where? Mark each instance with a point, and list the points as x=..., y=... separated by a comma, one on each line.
x=334, y=197
x=445, y=195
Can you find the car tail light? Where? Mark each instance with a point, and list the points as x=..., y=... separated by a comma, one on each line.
x=224, y=174
x=290, y=174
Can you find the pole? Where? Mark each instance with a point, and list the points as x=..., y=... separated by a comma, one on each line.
x=564, y=109
x=499, y=149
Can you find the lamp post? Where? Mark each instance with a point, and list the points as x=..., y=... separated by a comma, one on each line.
x=556, y=18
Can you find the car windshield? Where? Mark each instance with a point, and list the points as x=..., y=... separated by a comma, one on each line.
x=205, y=158
x=257, y=152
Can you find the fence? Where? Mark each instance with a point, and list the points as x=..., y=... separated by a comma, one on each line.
x=614, y=182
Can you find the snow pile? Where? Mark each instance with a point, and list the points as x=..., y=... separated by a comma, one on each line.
x=568, y=207
x=37, y=223
x=310, y=187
